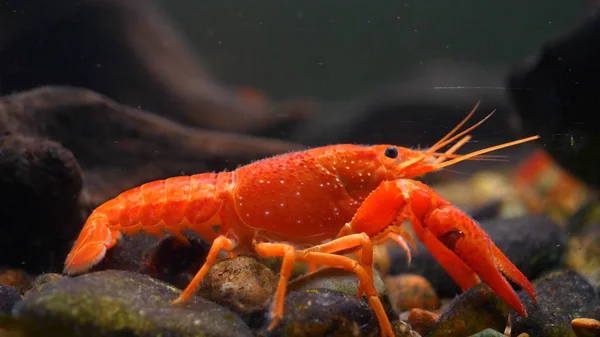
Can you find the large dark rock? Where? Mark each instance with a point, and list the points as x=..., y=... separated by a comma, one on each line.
x=117, y=48
x=556, y=96
x=562, y=296
x=40, y=182
x=477, y=309
x=323, y=312
x=118, y=303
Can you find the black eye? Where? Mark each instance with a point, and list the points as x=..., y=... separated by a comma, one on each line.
x=391, y=152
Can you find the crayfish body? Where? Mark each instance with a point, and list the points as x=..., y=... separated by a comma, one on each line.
x=310, y=206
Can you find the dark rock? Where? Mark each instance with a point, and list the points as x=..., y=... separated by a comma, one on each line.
x=9, y=296
x=176, y=262
x=341, y=280
x=561, y=98
x=166, y=259
x=488, y=211
x=334, y=279
x=477, y=309
x=110, y=140
x=40, y=182
x=324, y=312
x=533, y=243
x=344, y=281
x=132, y=253
x=70, y=43
x=109, y=303
x=562, y=296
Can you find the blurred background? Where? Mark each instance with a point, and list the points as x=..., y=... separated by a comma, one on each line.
x=100, y=96
x=340, y=49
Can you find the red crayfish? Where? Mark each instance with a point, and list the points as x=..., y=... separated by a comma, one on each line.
x=311, y=206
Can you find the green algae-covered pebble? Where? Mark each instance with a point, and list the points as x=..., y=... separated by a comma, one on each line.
x=323, y=312
x=562, y=296
x=341, y=280
x=488, y=333
x=121, y=303
x=475, y=310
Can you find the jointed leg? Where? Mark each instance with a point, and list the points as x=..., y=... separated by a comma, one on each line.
x=359, y=243
x=347, y=242
x=220, y=243
x=366, y=280
x=289, y=254
x=350, y=242
x=400, y=236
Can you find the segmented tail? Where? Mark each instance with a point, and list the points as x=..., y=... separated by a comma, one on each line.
x=91, y=245
x=157, y=207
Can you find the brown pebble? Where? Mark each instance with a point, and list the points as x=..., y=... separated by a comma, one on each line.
x=524, y=334
x=242, y=283
x=586, y=327
x=408, y=291
x=16, y=278
x=422, y=320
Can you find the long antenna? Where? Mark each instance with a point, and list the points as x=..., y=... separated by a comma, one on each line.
x=486, y=150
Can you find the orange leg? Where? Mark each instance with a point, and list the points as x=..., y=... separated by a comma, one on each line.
x=220, y=243
x=289, y=255
x=360, y=242
x=400, y=236
x=366, y=280
x=353, y=241
x=396, y=234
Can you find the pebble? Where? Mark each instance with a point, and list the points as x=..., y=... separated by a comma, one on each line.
x=242, y=284
x=562, y=296
x=586, y=327
x=111, y=302
x=475, y=310
x=408, y=291
x=422, y=321
x=323, y=312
